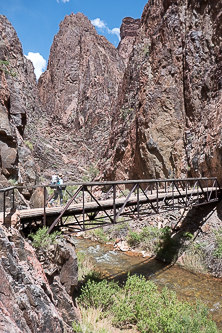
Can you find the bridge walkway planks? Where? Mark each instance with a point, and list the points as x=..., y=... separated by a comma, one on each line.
x=77, y=209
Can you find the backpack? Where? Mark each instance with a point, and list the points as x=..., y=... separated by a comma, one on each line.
x=60, y=182
x=54, y=181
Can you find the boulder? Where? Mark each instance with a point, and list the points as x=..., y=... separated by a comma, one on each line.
x=65, y=256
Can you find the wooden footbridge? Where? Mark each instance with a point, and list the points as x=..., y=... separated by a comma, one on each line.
x=96, y=204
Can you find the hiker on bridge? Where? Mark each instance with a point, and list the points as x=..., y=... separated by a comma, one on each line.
x=57, y=183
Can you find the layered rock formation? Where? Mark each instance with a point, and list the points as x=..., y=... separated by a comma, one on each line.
x=170, y=101
x=78, y=91
x=18, y=93
x=28, y=303
x=128, y=32
x=166, y=74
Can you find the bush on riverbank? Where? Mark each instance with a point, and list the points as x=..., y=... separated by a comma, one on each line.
x=218, y=250
x=198, y=248
x=140, y=304
x=42, y=240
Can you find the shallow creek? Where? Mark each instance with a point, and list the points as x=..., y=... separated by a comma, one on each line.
x=187, y=285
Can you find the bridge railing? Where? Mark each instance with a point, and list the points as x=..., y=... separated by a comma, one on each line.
x=93, y=204
x=113, y=201
x=7, y=201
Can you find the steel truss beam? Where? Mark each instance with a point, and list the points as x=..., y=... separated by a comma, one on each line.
x=92, y=206
x=158, y=197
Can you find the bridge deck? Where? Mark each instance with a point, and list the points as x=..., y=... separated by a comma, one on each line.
x=77, y=209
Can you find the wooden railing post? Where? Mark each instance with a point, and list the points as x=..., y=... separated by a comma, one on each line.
x=138, y=201
x=44, y=218
x=114, y=203
x=157, y=197
x=83, y=207
x=216, y=187
x=13, y=198
x=207, y=192
x=4, y=208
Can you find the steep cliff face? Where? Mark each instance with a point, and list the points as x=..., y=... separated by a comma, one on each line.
x=78, y=90
x=17, y=101
x=128, y=32
x=170, y=100
x=203, y=87
x=28, y=303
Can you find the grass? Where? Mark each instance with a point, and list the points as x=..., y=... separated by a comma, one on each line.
x=194, y=260
x=91, y=322
x=100, y=235
x=118, y=230
x=85, y=267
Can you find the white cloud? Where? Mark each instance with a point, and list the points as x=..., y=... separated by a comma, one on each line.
x=64, y=1
x=39, y=63
x=99, y=23
x=115, y=31
x=103, y=26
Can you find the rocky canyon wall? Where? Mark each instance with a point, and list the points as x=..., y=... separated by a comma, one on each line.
x=18, y=92
x=128, y=32
x=167, y=120
x=78, y=91
x=29, y=302
x=149, y=109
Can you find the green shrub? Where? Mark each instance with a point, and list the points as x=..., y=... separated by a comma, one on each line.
x=125, y=113
x=99, y=233
x=218, y=251
x=76, y=327
x=13, y=181
x=188, y=235
x=6, y=68
x=93, y=172
x=147, y=234
x=29, y=145
x=41, y=239
x=99, y=295
x=90, y=174
x=160, y=242
x=134, y=238
x=140, y=303
x=168, y=247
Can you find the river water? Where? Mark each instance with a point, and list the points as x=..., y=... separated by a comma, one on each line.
x=187, y=285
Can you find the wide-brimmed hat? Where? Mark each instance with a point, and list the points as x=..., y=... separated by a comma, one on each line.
x=60, y=174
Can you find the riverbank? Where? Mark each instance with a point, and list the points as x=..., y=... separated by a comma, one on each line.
x=190, y=238
x=116, y=265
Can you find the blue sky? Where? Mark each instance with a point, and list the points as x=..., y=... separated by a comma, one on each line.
x=37, y=21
